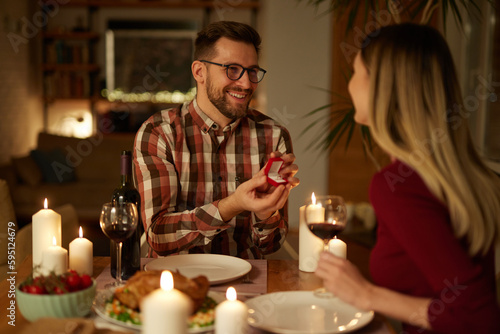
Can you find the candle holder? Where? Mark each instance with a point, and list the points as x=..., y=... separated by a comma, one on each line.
x=326, y=217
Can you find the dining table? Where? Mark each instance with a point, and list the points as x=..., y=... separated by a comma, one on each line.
x=265, y=277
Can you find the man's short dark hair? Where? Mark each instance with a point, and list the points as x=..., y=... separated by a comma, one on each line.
x=235, y=31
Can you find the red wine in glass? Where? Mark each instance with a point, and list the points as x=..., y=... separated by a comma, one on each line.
x=326, y=217
x=118, y=222
x=118, y=233
x=325, y=231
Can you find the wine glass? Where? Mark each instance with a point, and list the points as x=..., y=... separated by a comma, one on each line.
x=118, y=222
x=326, y=216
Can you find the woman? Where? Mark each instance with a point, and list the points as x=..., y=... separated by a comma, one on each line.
x=437, y=205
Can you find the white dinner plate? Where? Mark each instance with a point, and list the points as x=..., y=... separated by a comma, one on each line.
x=104, y=295
x=217, y=268
x=303, y=312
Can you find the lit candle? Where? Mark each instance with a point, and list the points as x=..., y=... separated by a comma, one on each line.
x=46, y=224
x=338, y=247
x=231, y=315
x=165, y=310
x=315, y=213
x=54, y=258
x=80, y=255
x=310, y=246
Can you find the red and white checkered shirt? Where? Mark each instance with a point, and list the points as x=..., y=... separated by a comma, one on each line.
x=183, y=170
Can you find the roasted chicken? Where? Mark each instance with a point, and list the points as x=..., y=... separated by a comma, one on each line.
x=144, y=282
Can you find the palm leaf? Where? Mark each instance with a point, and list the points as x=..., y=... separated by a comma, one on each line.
x=340, y=121
x=350, y=8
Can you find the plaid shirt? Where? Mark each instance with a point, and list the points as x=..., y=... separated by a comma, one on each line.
x=183, y=169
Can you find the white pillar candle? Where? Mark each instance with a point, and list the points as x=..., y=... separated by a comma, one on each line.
x=81, y=255
x=165, y=310
x=310, y=246
x=315, y=213
x=46, y=224
x=54, y=258
x=338, y=247
x=231, y=315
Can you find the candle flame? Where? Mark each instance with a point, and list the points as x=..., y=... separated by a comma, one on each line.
x=45, y=204
x=313, y=199
x=167, y=280
x=231, y=294
x=54, y=241
x=80, y=232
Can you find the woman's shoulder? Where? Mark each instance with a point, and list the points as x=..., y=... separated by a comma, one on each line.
x=396, y=177
x=398, y=183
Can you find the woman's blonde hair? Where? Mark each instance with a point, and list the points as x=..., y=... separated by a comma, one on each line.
x=418, y=116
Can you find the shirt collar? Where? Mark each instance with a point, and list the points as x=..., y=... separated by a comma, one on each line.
x=206, y=123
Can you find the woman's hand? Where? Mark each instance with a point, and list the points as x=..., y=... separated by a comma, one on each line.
x=344, y=280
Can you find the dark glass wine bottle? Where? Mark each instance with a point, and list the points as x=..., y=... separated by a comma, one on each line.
x=131, y=249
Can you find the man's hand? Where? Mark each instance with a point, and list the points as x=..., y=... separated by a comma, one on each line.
x=258, y=196
x=289, y=169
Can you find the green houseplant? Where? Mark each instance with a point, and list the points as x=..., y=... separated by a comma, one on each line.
x=340, y=123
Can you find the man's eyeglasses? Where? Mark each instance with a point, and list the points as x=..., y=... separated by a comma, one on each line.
x=236, y=71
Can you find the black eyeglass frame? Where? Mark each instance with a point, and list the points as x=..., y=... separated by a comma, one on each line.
x=247, y=69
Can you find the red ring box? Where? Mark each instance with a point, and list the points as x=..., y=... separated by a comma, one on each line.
x=273, y=167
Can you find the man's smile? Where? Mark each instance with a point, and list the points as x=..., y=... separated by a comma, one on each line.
x=237, y=95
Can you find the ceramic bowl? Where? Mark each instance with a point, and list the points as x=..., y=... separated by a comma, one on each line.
x=68, y=305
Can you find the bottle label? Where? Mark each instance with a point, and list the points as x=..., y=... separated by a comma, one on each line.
x=125, y=165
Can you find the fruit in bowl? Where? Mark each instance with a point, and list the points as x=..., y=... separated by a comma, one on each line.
x=60, y=296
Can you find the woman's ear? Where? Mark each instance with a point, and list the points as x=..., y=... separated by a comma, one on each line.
x=199, y=71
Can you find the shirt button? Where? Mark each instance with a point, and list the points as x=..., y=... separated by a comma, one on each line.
x=261, y=229
x=214, y=126
x=220, y=178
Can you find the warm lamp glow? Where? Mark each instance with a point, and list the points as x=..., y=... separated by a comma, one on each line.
x=166, y=280
x=75, y=120
x=45, y=204
x=54, y=242
x=231, y=294
x=80, y=232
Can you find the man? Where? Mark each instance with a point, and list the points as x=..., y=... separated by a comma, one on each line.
x=200, y=167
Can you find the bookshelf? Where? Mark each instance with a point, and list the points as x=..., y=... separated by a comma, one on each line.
x=69, y=67
x=73, y=67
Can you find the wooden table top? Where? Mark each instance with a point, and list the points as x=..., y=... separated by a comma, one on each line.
x=282, y=275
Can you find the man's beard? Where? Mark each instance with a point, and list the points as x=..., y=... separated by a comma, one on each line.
x=219, y=100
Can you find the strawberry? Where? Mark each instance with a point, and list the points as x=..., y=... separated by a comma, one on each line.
x=74, y=282
x=56, y=284
x=86, y=281
x=36, y=290
x=59, y=290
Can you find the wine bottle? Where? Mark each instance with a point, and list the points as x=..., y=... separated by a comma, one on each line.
x=131, y=248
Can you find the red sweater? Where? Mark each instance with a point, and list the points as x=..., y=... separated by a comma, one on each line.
x=417, y=254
